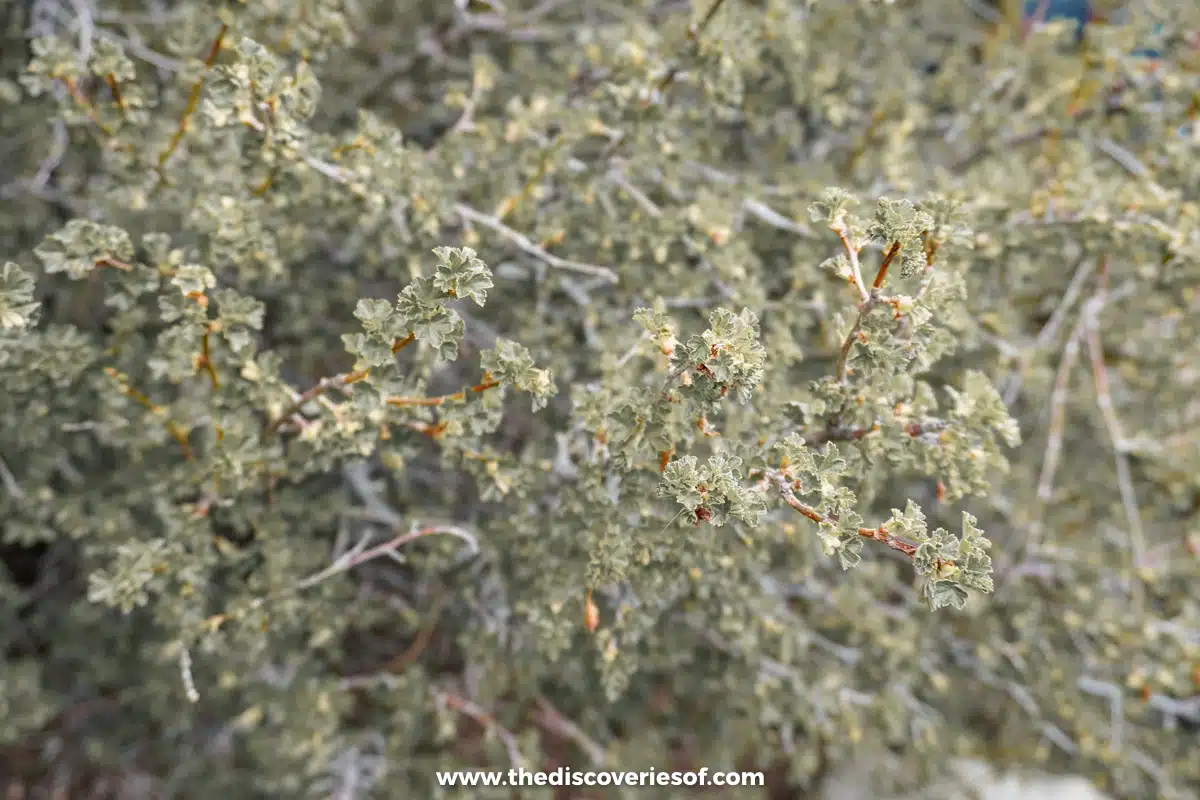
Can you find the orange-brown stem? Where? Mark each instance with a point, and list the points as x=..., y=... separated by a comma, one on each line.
x=86, y=105
x=879, y=534
x=193, y=99
x=336, y=382
x=887, y=262
x=177, y=432
x=109, y=261
x=206, y=359
x=111, y=80
x=437, y=401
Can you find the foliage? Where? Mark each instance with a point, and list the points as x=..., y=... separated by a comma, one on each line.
x=393, y=387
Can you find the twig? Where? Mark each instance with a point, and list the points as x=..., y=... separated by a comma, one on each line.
x=185, y=671
x=50, y=163
x=357, y=556
x=1050, y=329
x=177, y=432
x=879, y=534
x=637, y=194
x=870, y=300
x=10, y=482
x=335, y=382
x=1054, y=439
x=86, y=105
x=523, y=243
x=193, y=100
x=553, y=720
x=855, y=269
x=206, y=363
x=1112, y=693
x=770, y=216
x=487, y=383
x=1130, y=163
x=423, y=638
x=466, y=121
x=1116, y=434
x=485, y=719
x=888, y=257
x=321, y=387
x=87, y=29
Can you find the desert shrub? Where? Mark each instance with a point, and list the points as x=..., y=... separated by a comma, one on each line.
x=400, y=387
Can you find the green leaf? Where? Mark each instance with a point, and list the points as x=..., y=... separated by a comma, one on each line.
x=17, y=306
x=373, y=314
x=81, y=245
x=945, y=593
x=461, y=274
x=193, y=279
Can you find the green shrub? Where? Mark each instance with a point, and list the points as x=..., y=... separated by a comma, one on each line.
x=401, y=387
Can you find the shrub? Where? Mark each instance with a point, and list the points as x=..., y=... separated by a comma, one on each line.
x=402, y=387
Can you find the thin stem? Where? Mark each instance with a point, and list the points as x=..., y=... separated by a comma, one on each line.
x=1050, y=330
x=423, y=638
x=206, y=359
x=847, y=344
x=111, y=80
x=114, y=263
x=485, y=719
x=855, y=267
x=177, y=431
x=523, y=243
x=879, y=534
x=193, y=101
x=86, y=105
x=335, y=382
x=355, y=557
x=555, y=722
x=488, y=383
x=870, y=299
x=320, y=388
x=883, y=267
x=1137, y=535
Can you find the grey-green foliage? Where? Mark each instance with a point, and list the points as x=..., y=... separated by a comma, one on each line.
x=393, y=387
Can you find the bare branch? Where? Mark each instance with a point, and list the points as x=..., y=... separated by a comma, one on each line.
x=523, y=243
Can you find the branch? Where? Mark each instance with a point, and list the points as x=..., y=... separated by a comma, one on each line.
x=870, y=299
x=879, y=534
x=488, y=383
x=206, y=363
x=358, y=555
x=1137, y=535
x=553, y=721
x=193, y=101
x=335, y=382
x=855, y=269
x=770, y=216
x=1050, y=329
x=523, y=243
x=887, y=262
x=424, y=636
x=177, y=431
x=485, y=719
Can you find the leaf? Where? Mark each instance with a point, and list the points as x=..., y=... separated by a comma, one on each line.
x=373, y=313
x=850, y=554
x=17, y=306
x=461, y=274
x=945, y=593
x=193, y=279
